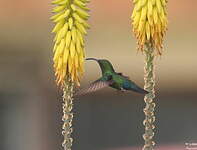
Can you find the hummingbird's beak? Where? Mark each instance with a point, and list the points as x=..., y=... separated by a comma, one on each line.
x=92, y=59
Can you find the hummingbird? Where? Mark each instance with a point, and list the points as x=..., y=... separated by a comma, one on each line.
x=110, y=78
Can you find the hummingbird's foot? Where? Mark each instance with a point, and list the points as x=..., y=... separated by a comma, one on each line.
x=122, y=90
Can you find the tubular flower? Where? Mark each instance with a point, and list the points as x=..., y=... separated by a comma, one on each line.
x=71, y=25
x=149, y=20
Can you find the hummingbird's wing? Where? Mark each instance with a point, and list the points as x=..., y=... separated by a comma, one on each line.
x=94, y=86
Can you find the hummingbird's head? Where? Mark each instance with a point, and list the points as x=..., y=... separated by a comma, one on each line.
x=104, y=64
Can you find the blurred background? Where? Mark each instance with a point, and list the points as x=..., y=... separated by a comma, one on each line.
x=30, y=103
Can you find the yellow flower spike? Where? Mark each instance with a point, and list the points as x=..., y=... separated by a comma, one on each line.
x=149, y=22
x=70, y=23
x=81, y=28
x=64, y=30
x=64, y=2
x=56, y=1
x=54, y=47
x=82, y=13
x=86, y=25
x=59, y=65
x=78, y=46
x=158, y=5
x=143, y=3
x=62, y=16
x=148, y=31
x=150, y=15
x=76, y=61
x=79, y=19
x=70, y=18
x=55, y=58
x=58, y=26
x=85, y=1
x=150, y=8
x=58, y=38
x=80, y=37
x=73, y=7
x=70, y=66
x=56, y=16
x=79, y=3
x=68, y=38
x=74, y=35
x=153, y=2
x=58, y=9
x=155, y=15
x=61, y=46
x=65, y=55
x=72, y=50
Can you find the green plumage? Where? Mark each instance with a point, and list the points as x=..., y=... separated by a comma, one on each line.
x=111, y=78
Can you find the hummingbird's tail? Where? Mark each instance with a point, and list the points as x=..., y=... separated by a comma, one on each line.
x=141, y=91
x=134, y=87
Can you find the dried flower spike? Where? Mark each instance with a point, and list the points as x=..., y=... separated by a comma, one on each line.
x=71, y=24
x=149, y=20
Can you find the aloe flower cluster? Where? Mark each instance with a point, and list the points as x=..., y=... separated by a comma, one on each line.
x=71, y=25
x=149, y=20
x=70, y=18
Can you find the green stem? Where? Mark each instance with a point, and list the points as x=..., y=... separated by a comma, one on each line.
x=149, y=79
x=67, y=115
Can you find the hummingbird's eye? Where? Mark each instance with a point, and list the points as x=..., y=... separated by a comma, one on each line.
x=110, y=77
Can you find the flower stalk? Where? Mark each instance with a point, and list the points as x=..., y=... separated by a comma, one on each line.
x=70, y=18
x=67, y=115
x=149, y=22
x=149, y=78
